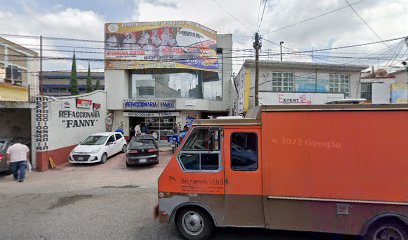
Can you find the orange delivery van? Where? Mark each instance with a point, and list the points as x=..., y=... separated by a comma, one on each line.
x=324, y=168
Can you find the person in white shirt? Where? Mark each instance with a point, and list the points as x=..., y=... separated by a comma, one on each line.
x=137, y=130
x=17, y=156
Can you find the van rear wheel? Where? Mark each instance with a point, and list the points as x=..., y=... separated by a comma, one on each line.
x=387, y=230
x=194, y=224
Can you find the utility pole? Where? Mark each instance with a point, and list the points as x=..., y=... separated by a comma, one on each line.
x=281, y=43
x=257, y=46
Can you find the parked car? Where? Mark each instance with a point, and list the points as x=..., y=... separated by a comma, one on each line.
x=98, y=148
x=5, y=143
x=142, y=150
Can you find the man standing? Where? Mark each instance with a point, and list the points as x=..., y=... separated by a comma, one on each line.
x=17, y=156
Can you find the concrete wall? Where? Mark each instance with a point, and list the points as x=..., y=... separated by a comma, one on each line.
x=117, y=88
x=61, y=124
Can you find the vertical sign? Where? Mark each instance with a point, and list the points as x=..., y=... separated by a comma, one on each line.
x=41, y=126
x=247, y=89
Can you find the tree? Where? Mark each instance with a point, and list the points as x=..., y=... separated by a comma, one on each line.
x=98, y=85
x=74, y=78
x=89, y=80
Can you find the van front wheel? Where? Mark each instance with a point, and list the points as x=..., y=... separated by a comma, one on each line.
x=194, y=224
x=387, y=230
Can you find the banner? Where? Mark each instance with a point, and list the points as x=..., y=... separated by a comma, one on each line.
x=167, y=44
x=399, y=93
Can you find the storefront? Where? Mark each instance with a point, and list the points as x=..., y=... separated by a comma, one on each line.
x=162, y=74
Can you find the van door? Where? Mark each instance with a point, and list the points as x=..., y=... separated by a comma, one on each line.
x=243, y=177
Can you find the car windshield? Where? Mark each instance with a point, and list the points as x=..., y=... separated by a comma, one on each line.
x=94, y=140
x=141, y=143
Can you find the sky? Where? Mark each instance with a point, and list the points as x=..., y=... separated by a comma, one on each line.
x=84, y=19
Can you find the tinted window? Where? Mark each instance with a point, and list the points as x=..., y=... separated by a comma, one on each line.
x=2, y=143
x=111, y=139
x=141, y=143
x=190, y=161
x=244, y=151
x=94, y=140
x=118, y=136
x=209, y=161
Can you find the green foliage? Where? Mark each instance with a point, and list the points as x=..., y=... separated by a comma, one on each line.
x=89, y=80
x=74, y=78
x=98, y=85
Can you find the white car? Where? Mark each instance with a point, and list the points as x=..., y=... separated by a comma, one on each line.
x=98, y=147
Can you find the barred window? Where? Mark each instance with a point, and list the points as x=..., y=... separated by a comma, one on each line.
x=366, y=91
x=283, y=82
x=340, y=83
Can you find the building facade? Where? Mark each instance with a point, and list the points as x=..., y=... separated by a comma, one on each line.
x=57, y=84
x=19, y=68
x=286, y=83
x=159, y=74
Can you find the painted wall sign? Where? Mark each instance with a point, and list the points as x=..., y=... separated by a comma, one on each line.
x=74, y=119
x=96, y=106
x=274, y=98
x=150, y=104
x=151, y=114
x=41, y=119
x=399, y=93
x=83, y=103
x=65, y=105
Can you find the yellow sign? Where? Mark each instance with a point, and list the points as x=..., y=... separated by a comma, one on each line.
x=247, y=89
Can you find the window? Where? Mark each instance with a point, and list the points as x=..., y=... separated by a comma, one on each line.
x=340, y=83
x=176, y=83
x=111, y=139
x=366, y=91
x=283, y=82
x=202, y=150
x=118, y=136
x=244, y=152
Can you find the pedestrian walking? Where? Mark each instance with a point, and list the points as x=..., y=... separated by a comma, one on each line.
x=17, y=157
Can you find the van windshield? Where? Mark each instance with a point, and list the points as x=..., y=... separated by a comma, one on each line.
x=94, y=140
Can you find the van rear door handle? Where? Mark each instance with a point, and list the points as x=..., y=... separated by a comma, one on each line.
x=226, y=181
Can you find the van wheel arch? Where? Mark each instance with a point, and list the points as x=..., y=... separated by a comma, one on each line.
x=194, y=223
x=384, y=218
x=193, y=205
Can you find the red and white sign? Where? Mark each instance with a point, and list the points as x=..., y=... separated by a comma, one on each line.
x=96, y=106
x=83, y=103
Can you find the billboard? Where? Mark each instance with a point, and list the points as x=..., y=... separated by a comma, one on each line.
x=166, y=44
x=276, y=98
x=399, y=93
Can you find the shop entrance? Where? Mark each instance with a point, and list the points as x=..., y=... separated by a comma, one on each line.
x=160, y=126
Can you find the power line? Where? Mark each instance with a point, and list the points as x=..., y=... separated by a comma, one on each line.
x=260, y=22
x=312, y=18
x=259, y=12
x=365, y=22
x=236, y=19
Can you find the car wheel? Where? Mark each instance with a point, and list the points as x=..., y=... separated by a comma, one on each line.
x=387, y=230
x=127, y=164
x=104, y=158
x=124, y=148
x=194, y=224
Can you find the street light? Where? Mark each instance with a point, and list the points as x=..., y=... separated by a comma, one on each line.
x=281, y=43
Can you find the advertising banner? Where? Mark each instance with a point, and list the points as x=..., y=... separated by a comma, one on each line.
x=274, y=98
x=399, y=93
x=167, y=44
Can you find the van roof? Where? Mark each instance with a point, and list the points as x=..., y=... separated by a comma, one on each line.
x=253, y=116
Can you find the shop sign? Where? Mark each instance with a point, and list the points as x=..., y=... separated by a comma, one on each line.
x=41, y=126
x=150, y=104
x=83, y=103
x=151, y=114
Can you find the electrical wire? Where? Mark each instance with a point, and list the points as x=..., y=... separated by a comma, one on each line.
x=263, y=11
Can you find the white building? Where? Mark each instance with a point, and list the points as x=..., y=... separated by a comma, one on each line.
x=172, y=72
x=285, y=83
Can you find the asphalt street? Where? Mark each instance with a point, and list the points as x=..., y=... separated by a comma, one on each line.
x=108, y=201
